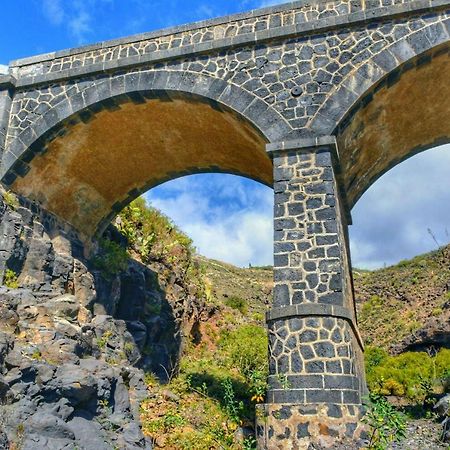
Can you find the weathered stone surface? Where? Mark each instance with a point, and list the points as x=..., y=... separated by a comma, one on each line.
x=70, y=377
x=301, y=76
x=295, y=71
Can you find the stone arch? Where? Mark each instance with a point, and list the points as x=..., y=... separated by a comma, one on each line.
x=368, y=111
x=388, y=64
x=101, y=93
x=229, y=119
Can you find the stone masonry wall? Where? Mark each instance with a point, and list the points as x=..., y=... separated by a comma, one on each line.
x=292, y=76
x=299, y=13
x=315, y=350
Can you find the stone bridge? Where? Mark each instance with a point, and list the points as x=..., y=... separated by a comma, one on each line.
x=316, y=98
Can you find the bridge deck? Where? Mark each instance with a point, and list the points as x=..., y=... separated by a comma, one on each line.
x=290, y=19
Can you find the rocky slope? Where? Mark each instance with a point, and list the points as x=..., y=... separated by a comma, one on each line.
x=406, y=307
x=76, y=333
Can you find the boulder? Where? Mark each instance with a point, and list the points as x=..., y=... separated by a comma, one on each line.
x=47, y=425
x=442, y=407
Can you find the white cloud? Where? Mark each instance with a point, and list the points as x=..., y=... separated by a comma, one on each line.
x=227, y=217
x=205, y=11
x=265, y=3
x=54, y=11
x=3, y=69
x=76, y=16
x=392, y=219
x=79, y=23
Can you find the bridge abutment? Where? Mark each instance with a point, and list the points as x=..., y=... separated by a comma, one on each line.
x=316, y=374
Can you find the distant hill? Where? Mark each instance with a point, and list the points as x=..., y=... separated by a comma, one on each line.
x=402, y=307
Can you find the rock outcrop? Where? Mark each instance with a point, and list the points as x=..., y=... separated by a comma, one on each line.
x=74, y=344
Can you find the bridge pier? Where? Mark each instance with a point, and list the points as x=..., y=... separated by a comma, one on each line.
x=316, y=371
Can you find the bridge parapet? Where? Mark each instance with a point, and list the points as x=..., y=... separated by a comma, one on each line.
x=293, y=18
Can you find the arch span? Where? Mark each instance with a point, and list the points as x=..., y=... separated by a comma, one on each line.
x=385, y=65
x=406, y=112
x=88, y=97
x=89, y=165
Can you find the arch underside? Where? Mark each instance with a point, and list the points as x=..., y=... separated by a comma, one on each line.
x=96, y=167
x=407, y=112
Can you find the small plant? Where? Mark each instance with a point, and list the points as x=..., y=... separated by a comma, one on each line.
x=258, y=386
x=153, y=309
x=233, y=408
x=102, y=341
x=249, y=444
x=111, y=260
x=150, y=379
x=284, y=381
x=437, y=311
x=128, y=348
x=11, y=200
x=37, y=355
x=426, y=386
x=386, y=423
x=10, y=279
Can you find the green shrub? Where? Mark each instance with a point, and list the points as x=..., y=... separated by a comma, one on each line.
x=11, y=200
x=150, y=232
x=10, y=279
x=233, y=407
x=153, y=237
x=246, y=348
x=442, y=368
x=411, y=374
x=386, y=424
x=237, y=303
x=374, y=356
x=111, y=259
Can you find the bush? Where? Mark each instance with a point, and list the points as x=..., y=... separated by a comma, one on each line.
x=410, y=374
x=237, y=303
x=374, y=356
x=11, y=200
x=153, y=237
x=111, y=259
x=152, y=234
x=10, y=279
x=247, y=348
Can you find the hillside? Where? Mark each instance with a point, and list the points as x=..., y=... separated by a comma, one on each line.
x=210, y=403
x=146, y=344
x=406, y=306
x=402, y=307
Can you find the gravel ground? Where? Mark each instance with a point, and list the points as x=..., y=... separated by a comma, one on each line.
x=422, y=435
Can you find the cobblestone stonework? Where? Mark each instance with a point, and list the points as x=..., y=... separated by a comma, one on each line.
x=314, y=346
x=299, y=14
x=293, y=427
x=292, y=82
x=299, y=78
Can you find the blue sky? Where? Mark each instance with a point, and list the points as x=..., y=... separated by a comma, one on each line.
x=41, y=26
x=230, y=218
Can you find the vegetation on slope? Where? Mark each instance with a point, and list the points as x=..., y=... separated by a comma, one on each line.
x=153, y=237
x=399, y=303
x=210, y=401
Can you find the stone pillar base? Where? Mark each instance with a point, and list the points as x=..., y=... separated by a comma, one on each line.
x=296, y=427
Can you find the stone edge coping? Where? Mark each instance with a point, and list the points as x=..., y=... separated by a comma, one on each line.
x=162, y=32
x=302, y=144
x=7, y=81
x=320, y=25
x=254, y=13
x=315, y=309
